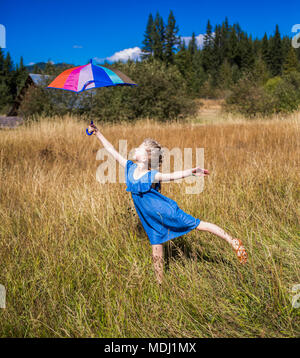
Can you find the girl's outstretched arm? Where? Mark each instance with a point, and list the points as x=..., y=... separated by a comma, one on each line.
x=197, y=171
x=107, y=145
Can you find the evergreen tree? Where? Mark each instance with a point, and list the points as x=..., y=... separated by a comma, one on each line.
x=158, y=38
x=256, y=47
x=3, y=86
x=233, y=48
x=20, y=75
x=49, y=68
x=265, y=51
x=219, y=47
x=260, y=70
x=246, y=53
x=1, y=62
x=171, y=39
x=192, y=47
x=225, y=80
x=286, y=45
x=238, y=30
x=224, y=37
x=291, y=63
x=147, y=48
x=7, y=81
x=250, y=55
x=36, y=69
x=216, y=55
x=181, y=58
x=276, y=55
x=8, y=65
x=189, y=62
x=207, y=51
x=198, y=75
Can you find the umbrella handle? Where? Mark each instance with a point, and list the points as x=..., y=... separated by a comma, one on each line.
x=87, y=130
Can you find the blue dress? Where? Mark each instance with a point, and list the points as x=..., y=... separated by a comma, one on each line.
x=161, y=217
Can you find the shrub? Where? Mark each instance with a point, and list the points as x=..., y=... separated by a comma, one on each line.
x=285, y=92
x=249, y=99
x=277, y=95
x=272, y=83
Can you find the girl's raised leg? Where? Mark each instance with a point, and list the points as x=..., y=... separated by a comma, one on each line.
x=235, y=243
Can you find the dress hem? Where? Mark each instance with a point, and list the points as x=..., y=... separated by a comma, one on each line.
x=179, y=234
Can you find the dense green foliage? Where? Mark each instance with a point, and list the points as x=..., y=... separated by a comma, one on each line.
x=277, y=95
x=254, y=76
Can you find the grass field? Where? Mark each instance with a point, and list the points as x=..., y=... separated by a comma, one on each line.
x=76, y=262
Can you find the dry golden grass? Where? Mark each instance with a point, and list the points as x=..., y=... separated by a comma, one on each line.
x=76, y=263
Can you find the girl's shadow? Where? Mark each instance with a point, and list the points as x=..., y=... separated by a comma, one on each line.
x=183, y=249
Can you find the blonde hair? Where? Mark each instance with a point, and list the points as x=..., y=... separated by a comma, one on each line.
x=155, y=153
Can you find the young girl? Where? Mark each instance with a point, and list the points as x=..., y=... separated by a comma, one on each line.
x=161, y=217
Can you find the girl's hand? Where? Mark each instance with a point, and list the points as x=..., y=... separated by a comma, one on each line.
x=93, y=128
x=200, y=172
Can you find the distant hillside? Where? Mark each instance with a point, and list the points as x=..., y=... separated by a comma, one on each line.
x=42, y=65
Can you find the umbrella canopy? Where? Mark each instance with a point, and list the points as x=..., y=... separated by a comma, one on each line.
x=81, y=78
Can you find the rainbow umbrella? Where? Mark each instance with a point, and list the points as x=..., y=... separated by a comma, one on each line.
x=81, y=78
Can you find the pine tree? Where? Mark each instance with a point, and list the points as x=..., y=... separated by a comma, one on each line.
x=238, y=31
x=20, y=75
x=246, y=53
x=260, y=70
x=265, y=51
x=207, y=51
x=7, y=81
x=158, y=38
x=291, y=63
x=256, y=47
x=233, y=48
x=3, y=86
x=147, y=49
x=21, y=67
x=8, y=64
x=224, y=36
x=225, y=75
x=286, y=44
x=276, y=55
x=181, y=58
x=36, y=69
x=171, y=39
x=250, y=55
x=216, y=55
x=192, y=47
x=49, y=68
x=199, y=75
x=1, y=62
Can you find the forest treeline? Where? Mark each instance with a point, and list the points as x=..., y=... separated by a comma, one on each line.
x=254, y=76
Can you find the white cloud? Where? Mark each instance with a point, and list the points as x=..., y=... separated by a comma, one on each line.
x=31, y=64
x=133, y=53
x=199, y=39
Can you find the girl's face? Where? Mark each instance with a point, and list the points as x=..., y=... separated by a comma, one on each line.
x=140, y=154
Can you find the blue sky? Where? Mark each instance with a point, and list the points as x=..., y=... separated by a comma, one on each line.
x=75, y=31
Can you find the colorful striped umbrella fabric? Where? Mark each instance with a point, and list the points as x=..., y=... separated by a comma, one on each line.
x=81, y=78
